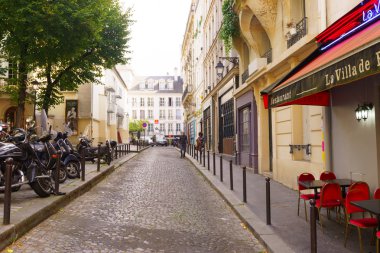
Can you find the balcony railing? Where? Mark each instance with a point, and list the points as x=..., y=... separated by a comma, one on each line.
x=301, y=30
x=268, y=55
x=186, y=92
x=244, y=76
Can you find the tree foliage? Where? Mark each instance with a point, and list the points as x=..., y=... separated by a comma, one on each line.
x=136, y=126
x=65, y=43
x=230, y=24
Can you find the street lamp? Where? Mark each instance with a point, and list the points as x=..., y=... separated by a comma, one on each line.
x=220, y=67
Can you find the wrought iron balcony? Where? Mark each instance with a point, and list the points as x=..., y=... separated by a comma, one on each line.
x=301, y=31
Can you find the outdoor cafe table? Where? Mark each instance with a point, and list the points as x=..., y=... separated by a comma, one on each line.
x=370, y=205
x=317, y=184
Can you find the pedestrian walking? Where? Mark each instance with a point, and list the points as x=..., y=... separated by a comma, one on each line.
x=199, y=142
x=183, y=144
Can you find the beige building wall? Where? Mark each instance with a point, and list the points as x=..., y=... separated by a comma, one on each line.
x=266, y=25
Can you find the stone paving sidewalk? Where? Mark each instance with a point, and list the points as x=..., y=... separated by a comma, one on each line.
x=28, y=210
x=288, y=231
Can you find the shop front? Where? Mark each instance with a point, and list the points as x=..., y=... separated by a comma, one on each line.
x=344, y=77
x=246, y=124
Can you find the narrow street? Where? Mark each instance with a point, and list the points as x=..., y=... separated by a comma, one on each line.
x=156, y=202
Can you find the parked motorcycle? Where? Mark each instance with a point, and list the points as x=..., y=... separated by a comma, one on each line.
x=45, y=152
x=26, y=166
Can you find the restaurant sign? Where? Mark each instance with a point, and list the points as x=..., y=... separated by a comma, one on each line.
x=352, y=68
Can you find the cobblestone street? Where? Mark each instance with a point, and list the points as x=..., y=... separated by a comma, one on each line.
x=156, y=202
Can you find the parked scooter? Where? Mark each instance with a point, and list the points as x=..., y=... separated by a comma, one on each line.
x=26, y=166
x=70, y=158
x=91, y=153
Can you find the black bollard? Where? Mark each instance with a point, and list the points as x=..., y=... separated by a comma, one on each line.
x=231, y=177
x=313, y=227
x=204, y=157
x=83, y=164
x=98, y=167
x=200, y=156
x=236, y=159
x=213, y=163
x=137, y=146
x=268, y=200
x=244, y=184
x=7, y=191
x=208, y=159
x=221, y=168
x=116, y=151
x=57, y=170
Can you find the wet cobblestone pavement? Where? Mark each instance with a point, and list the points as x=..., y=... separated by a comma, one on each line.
x=156, y=202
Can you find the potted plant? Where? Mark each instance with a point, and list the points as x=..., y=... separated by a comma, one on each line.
x=291, y=27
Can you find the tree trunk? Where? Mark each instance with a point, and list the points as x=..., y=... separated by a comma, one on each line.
x=49, y=90
x=22, y=85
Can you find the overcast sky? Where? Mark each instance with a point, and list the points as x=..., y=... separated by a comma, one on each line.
x=157, y=35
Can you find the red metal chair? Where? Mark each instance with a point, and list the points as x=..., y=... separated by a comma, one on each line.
x=358, y=186
x=376, y=195
x=327, y=175
x=356, y=195
x=304, y=196
x=330, y=197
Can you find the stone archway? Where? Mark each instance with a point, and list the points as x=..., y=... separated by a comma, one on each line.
x=10, y=116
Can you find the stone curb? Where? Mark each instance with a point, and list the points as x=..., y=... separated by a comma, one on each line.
x=264, y=233
x=15, y=231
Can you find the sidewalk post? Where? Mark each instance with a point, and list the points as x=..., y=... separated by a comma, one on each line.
x=204, y=157
x=128, y=148
x=137, y=146
x=231, y=177
x=83, y=164
x=122, y=150
x=213, y=163
x=268, y=200
x=245, y=184
x=197, y=154
x=7, y=191
x=313, y=226
x=98, y=166
x=208, y=159
x=200, y=156
x=116, y=151
x=221, y=168
x=57, y=171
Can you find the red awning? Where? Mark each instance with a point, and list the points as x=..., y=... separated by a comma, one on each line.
x=309, y=85
x=355, y=42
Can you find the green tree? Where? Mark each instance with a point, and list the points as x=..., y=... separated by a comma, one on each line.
x=230, y=24
x=66, y=43
x=136, y=126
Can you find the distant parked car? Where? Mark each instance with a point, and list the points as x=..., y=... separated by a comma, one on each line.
x=161, y=142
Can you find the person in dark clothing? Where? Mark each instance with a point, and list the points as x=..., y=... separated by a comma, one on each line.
x=183, y=144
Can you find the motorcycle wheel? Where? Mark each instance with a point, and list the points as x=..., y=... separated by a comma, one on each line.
x=62, y=173
x=41, y=186
x=16, y=188
x=73, y=169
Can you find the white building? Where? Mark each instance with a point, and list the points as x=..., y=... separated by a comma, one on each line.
x=158, y=101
